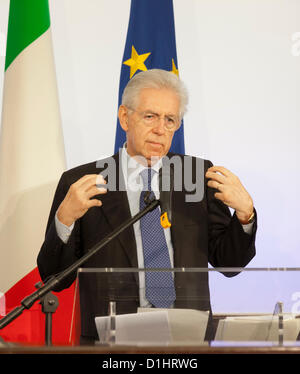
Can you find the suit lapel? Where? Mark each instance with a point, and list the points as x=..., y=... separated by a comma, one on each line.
x=116, y=209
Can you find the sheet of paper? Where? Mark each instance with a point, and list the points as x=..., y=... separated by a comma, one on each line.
x=257, y=328
x=137, y=328
x=186, y=325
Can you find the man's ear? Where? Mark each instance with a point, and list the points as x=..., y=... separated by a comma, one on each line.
x=123, y=117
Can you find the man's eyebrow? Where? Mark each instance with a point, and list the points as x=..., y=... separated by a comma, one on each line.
x=150, y=111
x=157, y=114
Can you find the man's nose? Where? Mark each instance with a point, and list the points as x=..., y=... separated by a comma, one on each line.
x=159, y=128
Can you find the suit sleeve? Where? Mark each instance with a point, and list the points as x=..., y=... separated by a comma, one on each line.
x=229, y=245
x=55, y=255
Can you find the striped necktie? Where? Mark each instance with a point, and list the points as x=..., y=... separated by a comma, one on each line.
x=160, y=289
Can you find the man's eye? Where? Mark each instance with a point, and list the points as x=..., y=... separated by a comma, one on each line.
x=170, y=120
x=149, y=116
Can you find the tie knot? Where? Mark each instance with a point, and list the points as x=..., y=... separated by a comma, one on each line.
x=147, y=175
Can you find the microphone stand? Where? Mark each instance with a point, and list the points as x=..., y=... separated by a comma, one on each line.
x=43, y=292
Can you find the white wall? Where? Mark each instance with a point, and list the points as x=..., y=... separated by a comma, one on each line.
x=237, y=60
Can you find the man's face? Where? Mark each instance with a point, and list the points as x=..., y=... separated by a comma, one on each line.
x=144, y=139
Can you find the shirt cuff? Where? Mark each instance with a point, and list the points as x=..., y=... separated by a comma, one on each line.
x=248, y=228
x=63, y=231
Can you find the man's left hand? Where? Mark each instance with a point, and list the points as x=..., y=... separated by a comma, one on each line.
x=231, y=191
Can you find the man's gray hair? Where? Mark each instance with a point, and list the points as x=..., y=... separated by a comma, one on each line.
x=155, y=78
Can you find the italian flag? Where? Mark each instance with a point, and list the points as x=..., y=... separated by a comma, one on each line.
x=31, y=157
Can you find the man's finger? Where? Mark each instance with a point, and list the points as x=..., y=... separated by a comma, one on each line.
x=220, y=169
x=220, y=196
x=100, y=179
x=93, y=202
x=86, y=179
x=215, y=184
x=100, y=183
x=215, y=176
x=91, y=181
x=93, y=191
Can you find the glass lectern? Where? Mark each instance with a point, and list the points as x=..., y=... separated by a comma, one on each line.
x=213, y=307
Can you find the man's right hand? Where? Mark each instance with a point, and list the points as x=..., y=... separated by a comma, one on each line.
x=79, y=200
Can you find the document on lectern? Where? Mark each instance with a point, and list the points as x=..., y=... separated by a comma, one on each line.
x=187, y=326
x=136, y=328
x=257, y=328
x=155, y=326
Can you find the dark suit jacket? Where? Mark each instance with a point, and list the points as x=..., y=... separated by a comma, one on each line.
x=201, y=232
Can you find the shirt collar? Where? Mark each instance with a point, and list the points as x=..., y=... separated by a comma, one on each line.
x=131, y=168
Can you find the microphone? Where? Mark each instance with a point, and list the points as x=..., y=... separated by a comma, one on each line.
x=147, y=199
x=166, y=186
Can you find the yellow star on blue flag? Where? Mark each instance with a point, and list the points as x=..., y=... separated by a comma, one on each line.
x=174, y=68
x=136, y=61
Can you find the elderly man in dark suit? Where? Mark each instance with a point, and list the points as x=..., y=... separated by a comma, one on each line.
x=203, y=230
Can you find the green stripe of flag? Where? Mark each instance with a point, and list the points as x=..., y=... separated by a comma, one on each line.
x=28, y=19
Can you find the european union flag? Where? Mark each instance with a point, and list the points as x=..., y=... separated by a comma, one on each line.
x=150, y=44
